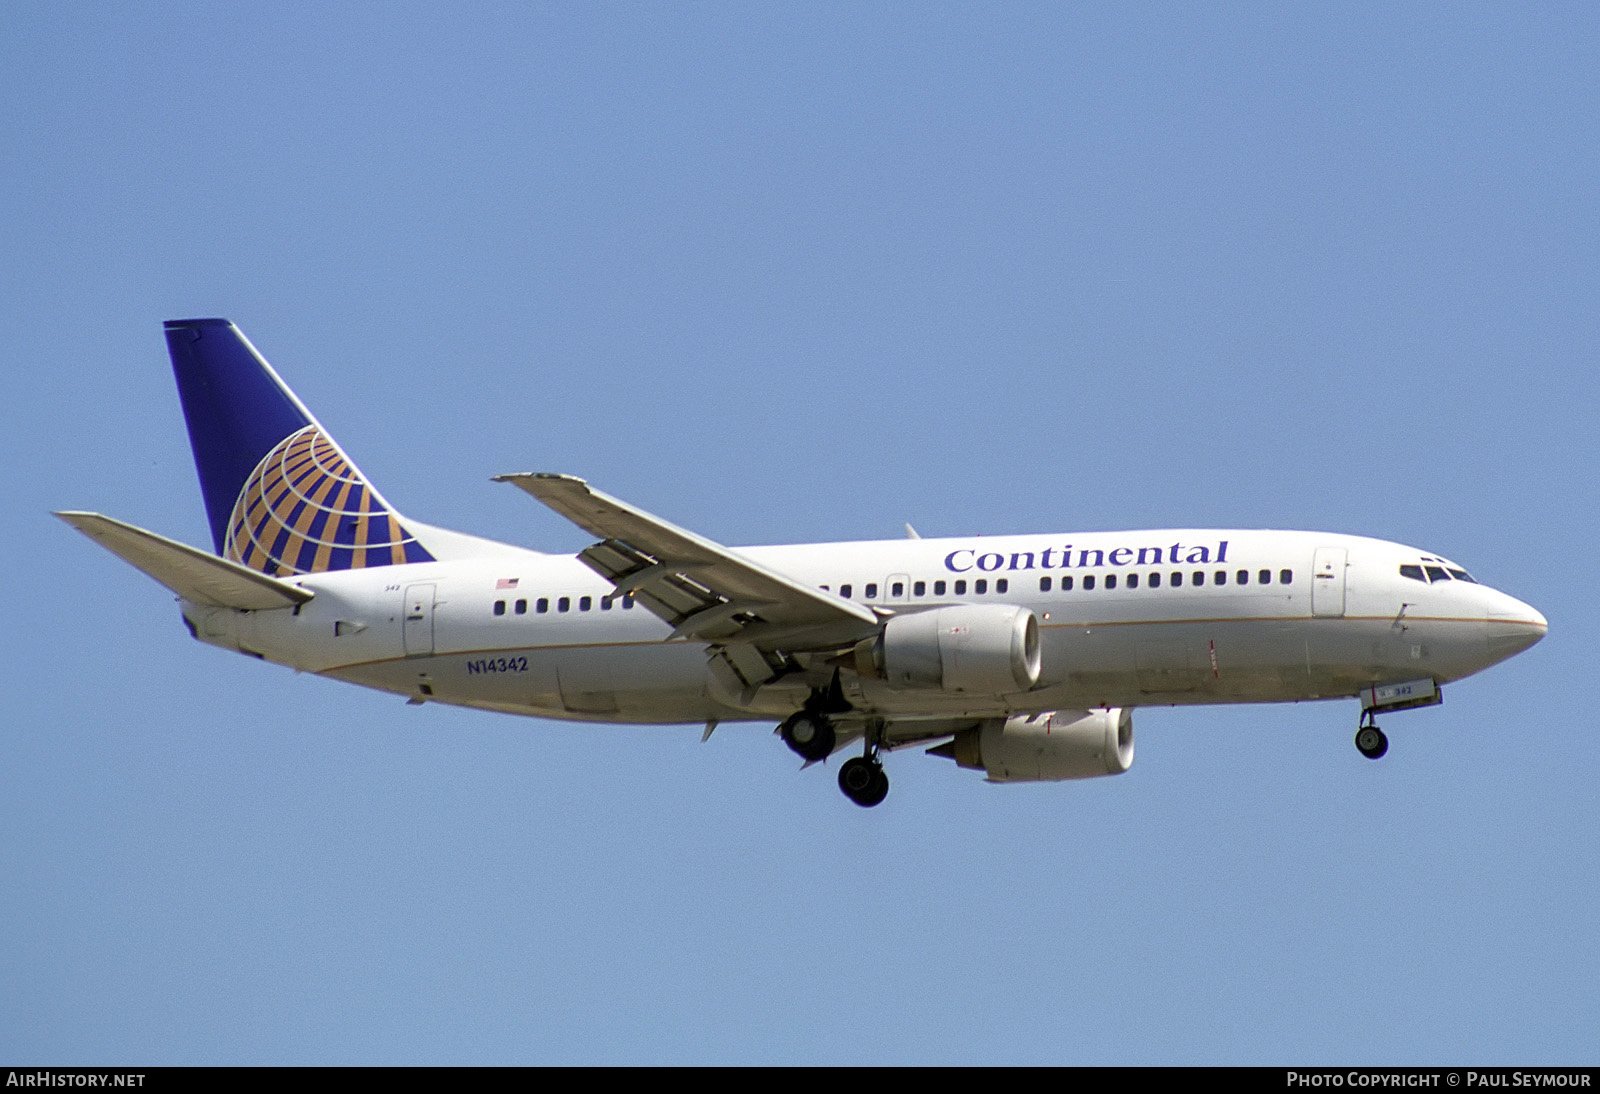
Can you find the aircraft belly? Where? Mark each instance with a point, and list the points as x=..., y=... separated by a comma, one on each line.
x=1210, y=661
x=645, y=682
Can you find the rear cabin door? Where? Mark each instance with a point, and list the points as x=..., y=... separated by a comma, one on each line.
x=1327, y=582
x=417, y=615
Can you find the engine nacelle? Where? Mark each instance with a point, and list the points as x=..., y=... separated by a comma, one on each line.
x=987, y=649
x=1073, y=744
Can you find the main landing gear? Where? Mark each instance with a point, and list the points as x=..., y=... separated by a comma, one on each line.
x=809, y=730
x=863, y=781
x=809, y=733
x=1370, y=740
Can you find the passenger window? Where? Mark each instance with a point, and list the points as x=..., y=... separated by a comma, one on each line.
x=605, y=603
x=584, y=603
x=1066, y=584
x=1088, y=582
x=1264, y=577
x=564, y=604
x=1436, y=573
x=499, y=607
x=919, y=588
x=897, y=589
x=1155, y=581
x=1198, y=578
x=1133, y=581
x=542, y=605
x=845, y=591
x=872, y=590
x=1285, y=577
x=522, y=607
x=1414, y=573
x=1111, y=581
x=980, y=586
x=961, y=588
x=1002, y=585
x=1044, y=584
x=627, y=601
x=824, y=588
x=1220, y=577
x=938, y=588
x=1177, y=580
x=1242, y=577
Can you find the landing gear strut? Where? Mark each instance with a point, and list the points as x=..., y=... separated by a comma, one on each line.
x=1370, y=739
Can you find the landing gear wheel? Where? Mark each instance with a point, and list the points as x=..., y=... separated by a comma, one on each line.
x=863, y=781
x=1371, y=742
x=810, y=735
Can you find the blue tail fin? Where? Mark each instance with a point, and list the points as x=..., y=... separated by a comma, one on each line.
x=281, y=496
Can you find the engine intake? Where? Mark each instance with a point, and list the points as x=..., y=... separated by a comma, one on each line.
x=1049, y=747
x=987, y=649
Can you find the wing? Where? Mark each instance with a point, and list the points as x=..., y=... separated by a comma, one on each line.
x=707, y=592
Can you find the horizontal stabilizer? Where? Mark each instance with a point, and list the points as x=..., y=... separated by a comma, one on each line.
x=191, y=573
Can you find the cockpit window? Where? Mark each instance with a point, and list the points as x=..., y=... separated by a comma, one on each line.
x=1462, y=575
x=1436, y=573
x=1413, y=572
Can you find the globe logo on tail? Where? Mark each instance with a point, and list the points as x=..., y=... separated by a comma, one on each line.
x=306, y=509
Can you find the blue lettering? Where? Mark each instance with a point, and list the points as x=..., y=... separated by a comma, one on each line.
x=965, y=559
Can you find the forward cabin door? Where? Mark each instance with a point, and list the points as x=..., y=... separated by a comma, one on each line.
x=417, y=614
x=1327, y=582
x=897, y=588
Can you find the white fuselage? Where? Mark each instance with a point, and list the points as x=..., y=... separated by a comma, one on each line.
x=1154, y=617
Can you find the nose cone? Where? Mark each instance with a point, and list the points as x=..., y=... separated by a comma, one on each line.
x=1513, y=627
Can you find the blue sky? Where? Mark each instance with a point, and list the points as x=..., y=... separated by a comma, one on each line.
x=782, y=273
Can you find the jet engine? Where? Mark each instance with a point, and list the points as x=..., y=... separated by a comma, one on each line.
x=987, y=649
x=1049, y=747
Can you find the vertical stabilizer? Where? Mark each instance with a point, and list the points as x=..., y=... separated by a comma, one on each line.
x=281, y=496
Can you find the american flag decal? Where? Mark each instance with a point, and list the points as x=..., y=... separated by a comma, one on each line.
x=506, y=583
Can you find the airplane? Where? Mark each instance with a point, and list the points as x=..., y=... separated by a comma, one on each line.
x=1021, y=656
